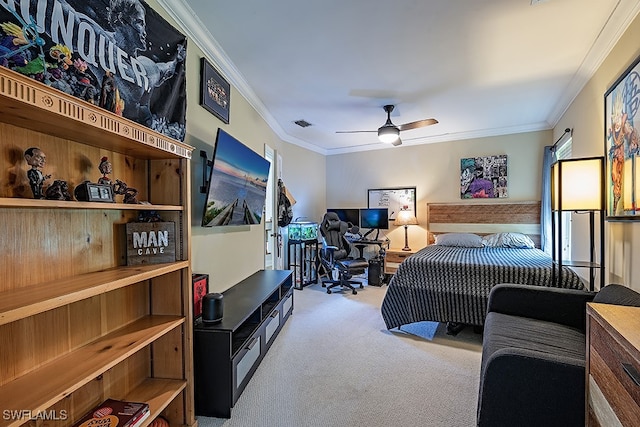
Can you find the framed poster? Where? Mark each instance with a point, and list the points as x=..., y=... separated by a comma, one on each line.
x=122, y=56
x=621, y=116
x=215, y=91
x=393, y=199
x=200, y=283
x=483, y=177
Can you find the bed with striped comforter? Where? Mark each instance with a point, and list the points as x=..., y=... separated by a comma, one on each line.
x=452, y=284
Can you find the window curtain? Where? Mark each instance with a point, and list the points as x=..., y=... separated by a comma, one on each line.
x=549, y=158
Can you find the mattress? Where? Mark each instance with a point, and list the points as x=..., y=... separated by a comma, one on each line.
x=452, y=284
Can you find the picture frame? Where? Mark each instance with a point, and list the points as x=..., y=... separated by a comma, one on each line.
x=200, y=284
x=215, y=91
x=621, y=130
x=92, y=192
x=394, y=199
x=484, y=177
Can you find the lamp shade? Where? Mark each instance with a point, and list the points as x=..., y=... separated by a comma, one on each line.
x=405, y=218
x=577, y=184
x=388, y=134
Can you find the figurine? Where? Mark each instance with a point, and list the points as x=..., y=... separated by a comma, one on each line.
x=129, y=193
x=59, y=190
x=105, y=168
x=36, y=159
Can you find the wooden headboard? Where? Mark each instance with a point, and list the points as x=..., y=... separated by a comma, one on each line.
x=484, y=218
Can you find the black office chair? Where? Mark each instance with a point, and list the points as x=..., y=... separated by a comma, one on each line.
x=334, y=254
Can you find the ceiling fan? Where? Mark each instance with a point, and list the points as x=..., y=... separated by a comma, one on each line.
x=390, y=133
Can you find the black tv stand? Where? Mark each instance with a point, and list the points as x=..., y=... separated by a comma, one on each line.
x=226, y=354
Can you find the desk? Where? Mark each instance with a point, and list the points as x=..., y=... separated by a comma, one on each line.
x=376, y=264
x=360, y=244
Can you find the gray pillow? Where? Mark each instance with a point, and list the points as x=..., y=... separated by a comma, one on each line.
x=465, y=240
x=508, y=240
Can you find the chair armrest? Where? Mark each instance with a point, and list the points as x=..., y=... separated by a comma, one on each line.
x=520, y=387
x=558, y=305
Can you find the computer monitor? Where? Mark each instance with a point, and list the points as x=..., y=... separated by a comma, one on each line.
x=375, y=219
x=347, y=215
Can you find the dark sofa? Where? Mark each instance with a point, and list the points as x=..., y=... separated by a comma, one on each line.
x=533, y=354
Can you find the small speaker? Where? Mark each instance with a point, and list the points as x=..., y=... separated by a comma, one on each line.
x=212, y=308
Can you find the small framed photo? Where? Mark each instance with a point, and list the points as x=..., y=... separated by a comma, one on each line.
x=200, y=284
x=91, y=192
x=215, y=91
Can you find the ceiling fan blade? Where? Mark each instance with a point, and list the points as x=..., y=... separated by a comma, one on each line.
x=418, y=124
x=397, y=142
x=355, y=131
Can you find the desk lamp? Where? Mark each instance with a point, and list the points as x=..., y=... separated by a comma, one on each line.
x=406, y=218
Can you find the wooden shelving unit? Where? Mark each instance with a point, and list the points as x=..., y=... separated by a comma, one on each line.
x=77, y=325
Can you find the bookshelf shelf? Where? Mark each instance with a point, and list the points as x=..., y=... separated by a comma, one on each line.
x=44, y=386
x=23, y=302
x=51, y=204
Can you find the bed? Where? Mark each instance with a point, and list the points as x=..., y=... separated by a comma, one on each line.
x=451, y=284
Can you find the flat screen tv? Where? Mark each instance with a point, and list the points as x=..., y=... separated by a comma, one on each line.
x=237, y=185
x=348, y=215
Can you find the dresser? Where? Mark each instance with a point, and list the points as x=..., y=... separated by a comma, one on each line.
x=613, y=365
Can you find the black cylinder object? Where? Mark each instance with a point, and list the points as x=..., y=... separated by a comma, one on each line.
x=212, y=308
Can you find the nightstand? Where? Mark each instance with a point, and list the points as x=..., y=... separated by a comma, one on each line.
x=393, y=258
x=613, y=365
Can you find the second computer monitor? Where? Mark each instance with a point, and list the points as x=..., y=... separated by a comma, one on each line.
x=374, y=218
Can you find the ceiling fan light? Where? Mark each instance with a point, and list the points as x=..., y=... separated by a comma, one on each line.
x=388, y=134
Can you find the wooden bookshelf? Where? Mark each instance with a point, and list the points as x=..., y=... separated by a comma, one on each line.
x=77, y=325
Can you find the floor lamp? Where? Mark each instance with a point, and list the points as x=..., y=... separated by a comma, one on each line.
x=577, y=185
x=406, y=218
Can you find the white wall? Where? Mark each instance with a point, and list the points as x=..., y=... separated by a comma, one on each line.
x=229, y=254
x=434, y=169
x=586, y=116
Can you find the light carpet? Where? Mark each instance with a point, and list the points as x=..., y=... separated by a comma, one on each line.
x=335, y=364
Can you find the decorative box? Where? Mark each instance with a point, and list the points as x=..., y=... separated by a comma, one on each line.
x=151, y=242
x=303, y=230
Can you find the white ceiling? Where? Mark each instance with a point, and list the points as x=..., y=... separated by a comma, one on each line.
x=480, y=67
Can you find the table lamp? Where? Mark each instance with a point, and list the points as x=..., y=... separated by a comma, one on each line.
x=406, y=218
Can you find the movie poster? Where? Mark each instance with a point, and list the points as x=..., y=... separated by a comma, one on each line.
x=483, y=177
x=118, y=54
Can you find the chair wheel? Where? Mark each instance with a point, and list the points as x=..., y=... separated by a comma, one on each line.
x=361, y=286
x=328, y=291
x=354, y=292
x=324, y=285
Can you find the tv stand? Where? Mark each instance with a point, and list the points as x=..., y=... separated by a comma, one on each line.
x=226, y=354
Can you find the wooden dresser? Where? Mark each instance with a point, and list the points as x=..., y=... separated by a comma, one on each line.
x=613, y=365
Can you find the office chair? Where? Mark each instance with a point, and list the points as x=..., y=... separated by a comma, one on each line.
x=334, y=254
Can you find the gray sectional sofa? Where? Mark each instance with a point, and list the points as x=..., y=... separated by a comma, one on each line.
x=533, y=355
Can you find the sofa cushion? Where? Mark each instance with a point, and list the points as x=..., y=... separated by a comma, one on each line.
x=619, y=295
x=506, y=331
